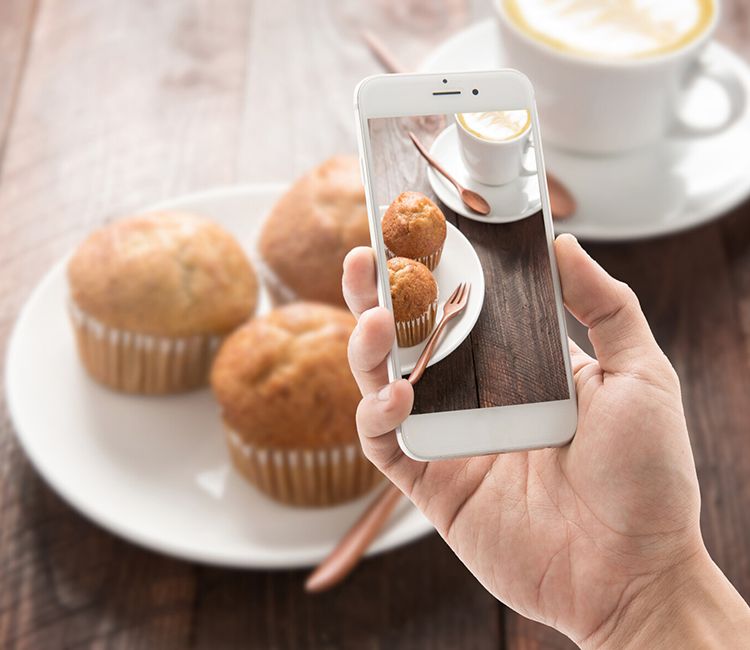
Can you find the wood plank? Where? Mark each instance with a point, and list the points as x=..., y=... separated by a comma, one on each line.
x=16, y=26
x=735, y=230
x=420, y=596
x=734, y=26
x=516, y=342
x=66, y=583
x=121, y=104
x=305, y=60
x=523, y=634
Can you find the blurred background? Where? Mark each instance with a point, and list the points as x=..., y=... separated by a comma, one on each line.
x=109, y=106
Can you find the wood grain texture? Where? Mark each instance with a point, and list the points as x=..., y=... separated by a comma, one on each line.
x=415, y=597
x=107, y=106
x=305, y=59
x=16, y=25
x=518, y=353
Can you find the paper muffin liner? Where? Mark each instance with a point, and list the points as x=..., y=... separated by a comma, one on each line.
x=430, y=261
x=142, y=363
x=416, y=330
x=304, y=476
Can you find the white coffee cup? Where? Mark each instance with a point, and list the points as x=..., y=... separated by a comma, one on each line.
x=491, y=161
x=610, y=105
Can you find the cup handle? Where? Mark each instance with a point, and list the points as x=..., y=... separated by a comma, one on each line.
x=706, y=68
x=525, y=171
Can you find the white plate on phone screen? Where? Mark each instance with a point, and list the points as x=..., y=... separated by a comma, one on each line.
x=458, y=263
x=155, y=470
x=675, y=184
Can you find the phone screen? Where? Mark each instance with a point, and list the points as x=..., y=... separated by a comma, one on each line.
x=505, y=345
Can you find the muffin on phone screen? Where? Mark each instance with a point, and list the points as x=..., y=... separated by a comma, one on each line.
x=414, y=295
x=414, y=227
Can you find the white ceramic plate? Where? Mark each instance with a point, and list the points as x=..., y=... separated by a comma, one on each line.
x=510, y=202
x=675, y=184
x=155, y=470
x=458, y=263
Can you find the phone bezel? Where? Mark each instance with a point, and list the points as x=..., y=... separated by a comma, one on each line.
x=432, y=436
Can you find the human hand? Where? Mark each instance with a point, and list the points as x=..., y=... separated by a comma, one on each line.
x=594, y=539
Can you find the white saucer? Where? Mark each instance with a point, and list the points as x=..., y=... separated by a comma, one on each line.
x=510, y=202
x=458, y=263
x=155, y=470
x=675, y=184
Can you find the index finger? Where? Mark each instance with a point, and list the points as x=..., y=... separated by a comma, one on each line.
x=359, y=282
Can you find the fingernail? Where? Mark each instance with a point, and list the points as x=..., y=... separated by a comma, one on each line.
x=384, y=394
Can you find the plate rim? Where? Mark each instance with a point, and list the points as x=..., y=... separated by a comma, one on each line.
x=289, y=559
x=479, y=31
x=407, y=368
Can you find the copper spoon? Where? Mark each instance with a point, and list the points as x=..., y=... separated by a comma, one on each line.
x=452, y=308
x=347, y=553
x=560, y=199
x=353, y=545
x=381, y=53
x=470, y=199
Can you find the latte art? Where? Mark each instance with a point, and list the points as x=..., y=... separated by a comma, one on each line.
x=495, y=126
x=619, y=29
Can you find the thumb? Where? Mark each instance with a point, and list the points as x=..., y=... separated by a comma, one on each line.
x=618, y=329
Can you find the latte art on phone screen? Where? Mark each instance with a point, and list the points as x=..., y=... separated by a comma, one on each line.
x=495, y=126
x=619, y=29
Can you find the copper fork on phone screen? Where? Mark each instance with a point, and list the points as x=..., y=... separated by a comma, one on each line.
x=452, y=308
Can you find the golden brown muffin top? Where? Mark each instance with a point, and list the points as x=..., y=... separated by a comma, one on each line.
x=283, y=380
x=413, y=226
x=413, y=288
x=164, y=273
x=312, y=228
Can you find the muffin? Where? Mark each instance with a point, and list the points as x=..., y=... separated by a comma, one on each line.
x=152, y=296
x=414, y=227
x=310, y=230
x=414, y=295
x=288, y=402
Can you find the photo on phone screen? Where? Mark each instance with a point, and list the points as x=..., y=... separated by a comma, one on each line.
x=505, y=347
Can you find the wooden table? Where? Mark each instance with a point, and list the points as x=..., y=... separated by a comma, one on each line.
x=107, y=106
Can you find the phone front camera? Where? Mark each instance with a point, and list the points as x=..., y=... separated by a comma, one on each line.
x=475, y=92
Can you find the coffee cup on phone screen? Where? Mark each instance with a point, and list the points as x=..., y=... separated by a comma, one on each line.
x=493, y=145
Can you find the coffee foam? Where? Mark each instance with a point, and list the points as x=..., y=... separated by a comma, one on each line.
x=619, y=29
x=495, y=125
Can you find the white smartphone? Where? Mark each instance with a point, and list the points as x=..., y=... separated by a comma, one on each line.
x=499, y=376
